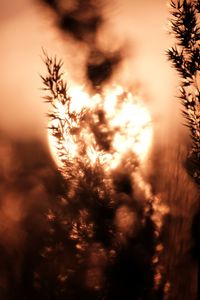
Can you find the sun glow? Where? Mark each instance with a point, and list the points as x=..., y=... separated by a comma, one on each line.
x=115, y=115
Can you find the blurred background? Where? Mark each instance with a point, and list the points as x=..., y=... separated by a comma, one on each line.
x=29, y=178
x=27, y=26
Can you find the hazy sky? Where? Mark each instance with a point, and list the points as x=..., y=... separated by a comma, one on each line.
x=25, y=28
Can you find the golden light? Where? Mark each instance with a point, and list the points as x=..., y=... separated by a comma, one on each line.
x=127, y=119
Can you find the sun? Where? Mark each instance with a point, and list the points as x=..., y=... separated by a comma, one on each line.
x=102, y=128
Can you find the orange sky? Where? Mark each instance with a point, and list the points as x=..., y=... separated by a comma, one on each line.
x=25, y=28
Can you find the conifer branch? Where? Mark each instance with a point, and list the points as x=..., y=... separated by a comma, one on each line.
x=185, y=57
x=83, y=223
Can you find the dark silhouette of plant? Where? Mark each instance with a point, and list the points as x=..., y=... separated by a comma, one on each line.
x=185, y=57
x=89, y=253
